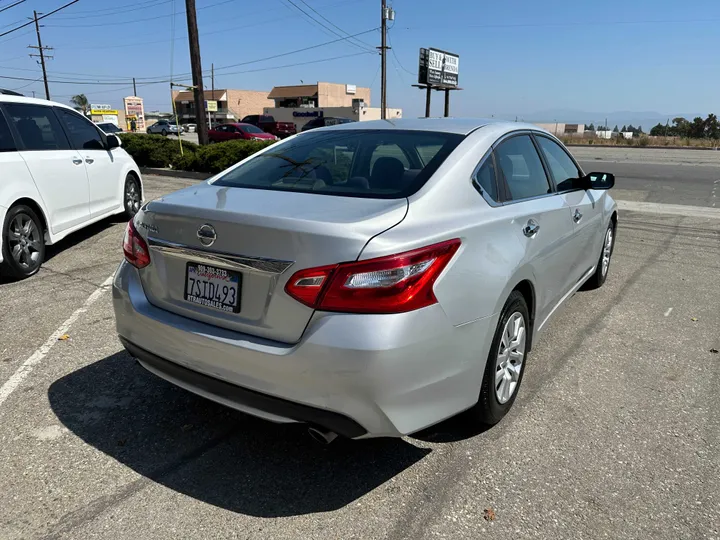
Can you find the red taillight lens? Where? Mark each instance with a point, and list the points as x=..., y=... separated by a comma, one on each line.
x=393, y=284
x=135, y=248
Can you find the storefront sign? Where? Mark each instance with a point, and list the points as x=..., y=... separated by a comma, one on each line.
x=100, y=112
x=96, y=107
x=307, y=113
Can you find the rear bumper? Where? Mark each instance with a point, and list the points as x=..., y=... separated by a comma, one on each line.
x=357, y=375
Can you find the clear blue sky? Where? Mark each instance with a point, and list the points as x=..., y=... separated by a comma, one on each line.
x=516, y=56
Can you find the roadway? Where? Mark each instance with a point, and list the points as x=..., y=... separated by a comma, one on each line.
x=615, y=432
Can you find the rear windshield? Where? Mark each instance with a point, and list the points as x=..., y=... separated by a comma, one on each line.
x=381, y=164
x=251, y=129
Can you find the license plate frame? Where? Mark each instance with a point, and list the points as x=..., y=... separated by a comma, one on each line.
x=202, y=299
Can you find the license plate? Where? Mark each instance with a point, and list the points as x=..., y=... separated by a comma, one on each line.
x=213, y=287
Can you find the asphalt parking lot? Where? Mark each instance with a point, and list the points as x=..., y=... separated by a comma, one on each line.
x=615, y=433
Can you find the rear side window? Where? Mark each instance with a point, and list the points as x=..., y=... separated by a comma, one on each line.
x=562, y=167
x=487, y=179
x=37, y=126
x=7, y=144
x=521, y=168
x=83, y=134
x=383, y=164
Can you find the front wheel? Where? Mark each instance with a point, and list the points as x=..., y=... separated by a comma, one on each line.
x=603, y=265
x=506, y=362
x=23, y=243
x=163, y=133
x=132, y=197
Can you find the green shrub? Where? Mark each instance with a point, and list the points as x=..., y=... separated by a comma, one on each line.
x=643, y=140
x=155, y=150
x=218, y=157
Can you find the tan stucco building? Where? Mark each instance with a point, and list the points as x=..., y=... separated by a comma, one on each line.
x=232, y=105
x=322, y=94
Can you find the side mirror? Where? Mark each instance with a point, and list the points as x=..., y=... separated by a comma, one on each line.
x=113, y=141
x=599, y=180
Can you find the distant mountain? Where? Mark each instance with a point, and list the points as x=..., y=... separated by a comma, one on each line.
x=646, y=119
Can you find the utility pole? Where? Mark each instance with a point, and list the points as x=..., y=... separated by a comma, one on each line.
x=196, y=68
x=212, y=79
x=383, y=60
x=134, y=88
x=41, y=53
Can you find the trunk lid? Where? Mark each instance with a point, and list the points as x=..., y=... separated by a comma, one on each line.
x=265, y=236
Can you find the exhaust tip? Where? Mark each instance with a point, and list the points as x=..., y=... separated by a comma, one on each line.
x=321, y=435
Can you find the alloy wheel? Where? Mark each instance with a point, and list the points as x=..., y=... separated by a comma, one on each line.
x=25, y=241
x=132, y=197
x=511, y=354
x=607, y=251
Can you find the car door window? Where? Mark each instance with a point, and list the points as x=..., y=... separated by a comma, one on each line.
x=520, y=166
x=561, y=165
x=83, y=134
x=38, y=127
x=486, y=178
x=7, y=144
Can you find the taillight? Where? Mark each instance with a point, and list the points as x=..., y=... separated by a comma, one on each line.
x=135, y=248
x=393, y=284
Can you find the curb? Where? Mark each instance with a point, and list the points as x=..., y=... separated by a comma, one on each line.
x=175, y=174
x=621, y=147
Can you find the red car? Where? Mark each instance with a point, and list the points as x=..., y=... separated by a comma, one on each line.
x=229, y=132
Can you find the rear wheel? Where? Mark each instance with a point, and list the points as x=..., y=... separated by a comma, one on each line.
x=132, y=196
x=506, y=362
x=23, y=242
x=163, y=133
x=603, y=266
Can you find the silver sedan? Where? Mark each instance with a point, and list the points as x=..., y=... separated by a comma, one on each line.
x=369, y=279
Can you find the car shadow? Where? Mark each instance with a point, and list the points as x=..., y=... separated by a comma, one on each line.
x=215, y=454
x=82, y=235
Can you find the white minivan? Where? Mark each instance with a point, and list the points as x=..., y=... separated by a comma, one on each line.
x=58, y=173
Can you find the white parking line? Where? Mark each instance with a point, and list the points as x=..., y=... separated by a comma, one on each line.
x=668, y=312
x=27, y=366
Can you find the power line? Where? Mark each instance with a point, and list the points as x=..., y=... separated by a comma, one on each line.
x=367, y=45
x=11, y=5
x=398, y=60
x=39, y=18
x=105, y=12
x=361, y=45
x=134, y=21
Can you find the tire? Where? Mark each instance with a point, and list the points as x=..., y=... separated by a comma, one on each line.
x=132, y=196
x=497, y=399
x=603, y=268
x=163, y=133
x=148, y=131
x=23, y=246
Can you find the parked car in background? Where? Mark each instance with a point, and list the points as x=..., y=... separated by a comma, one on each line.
x=228, y=132
x=109, y=127
x=369, y=279
x=268, y=124
x=60, y=173
x=10, y=92
x=324, y=121
x=164, y=128
x=189, y=128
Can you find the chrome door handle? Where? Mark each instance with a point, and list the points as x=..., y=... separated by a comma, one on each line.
x=77, y=161
x=577, y=216
x=89, y=160
x=531, y=228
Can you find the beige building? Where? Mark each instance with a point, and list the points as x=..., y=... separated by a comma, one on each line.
x=321, y=94
x=232, y=105
x=302, y=103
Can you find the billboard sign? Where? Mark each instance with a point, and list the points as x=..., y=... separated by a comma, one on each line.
x=438, y=68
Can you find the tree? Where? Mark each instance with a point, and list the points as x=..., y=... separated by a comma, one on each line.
x=615, y=129
x=697, y=128
x=640, y=130
x=680, y=127
x=712, y=127
x=591, y=128
x=624, y=129
x=81, y=103
x=660, y=130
